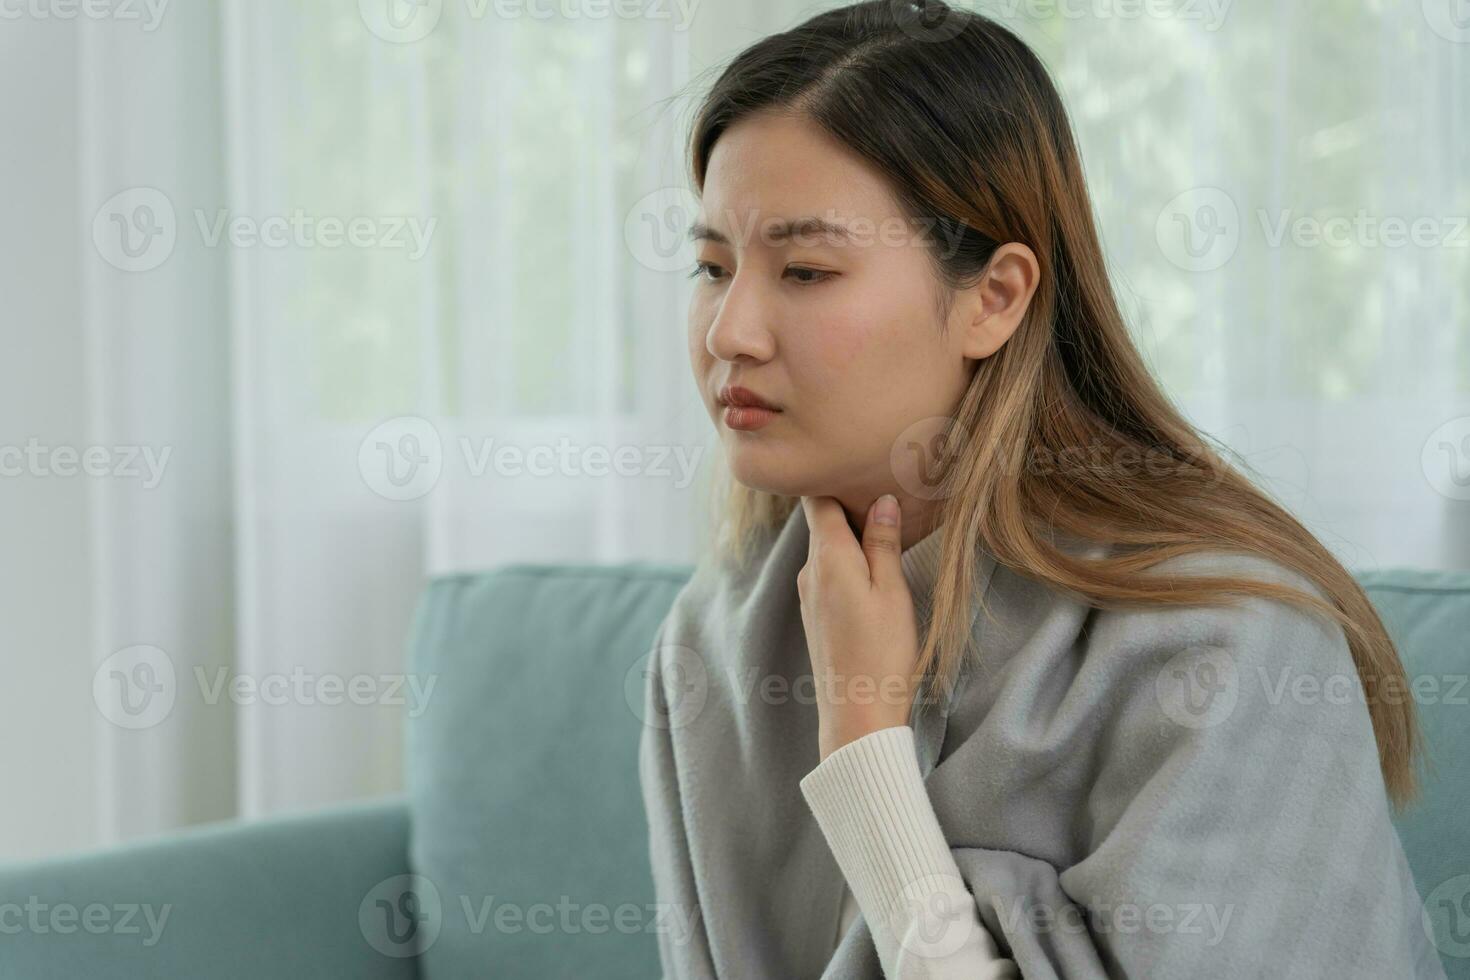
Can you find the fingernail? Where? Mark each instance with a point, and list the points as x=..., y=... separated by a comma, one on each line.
x=887, y=512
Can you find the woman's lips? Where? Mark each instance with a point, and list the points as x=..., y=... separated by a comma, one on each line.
x=744, y=409
x=748, y=418
x=742, y=397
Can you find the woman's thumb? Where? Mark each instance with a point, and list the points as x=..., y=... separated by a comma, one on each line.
x=883, y=537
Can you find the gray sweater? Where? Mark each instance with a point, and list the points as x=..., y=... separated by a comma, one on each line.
x=1141, y=793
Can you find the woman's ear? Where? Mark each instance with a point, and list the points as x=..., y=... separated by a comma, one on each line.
x=1000, y=299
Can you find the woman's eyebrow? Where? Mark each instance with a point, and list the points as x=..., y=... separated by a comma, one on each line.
x=776, y=232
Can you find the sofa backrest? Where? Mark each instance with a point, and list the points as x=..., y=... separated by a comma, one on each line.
x=522, y=772
x=1428, y=616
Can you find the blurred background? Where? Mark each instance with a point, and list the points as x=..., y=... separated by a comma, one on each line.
x=308, y=302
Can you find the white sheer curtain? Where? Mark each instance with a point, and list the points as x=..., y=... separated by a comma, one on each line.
x=1284, y=191
x=156, y=356
x=446, y=398
x=415, y=306
x=361, y=237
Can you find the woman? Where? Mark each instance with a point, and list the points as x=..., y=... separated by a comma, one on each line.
x=931, y=408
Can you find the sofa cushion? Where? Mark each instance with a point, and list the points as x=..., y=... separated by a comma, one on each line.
x=1428, y=616
x=522, y=772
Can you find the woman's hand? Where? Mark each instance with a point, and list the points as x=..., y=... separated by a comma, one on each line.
x=859, y=620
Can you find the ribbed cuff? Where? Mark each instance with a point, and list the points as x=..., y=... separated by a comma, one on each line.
x=868, y=797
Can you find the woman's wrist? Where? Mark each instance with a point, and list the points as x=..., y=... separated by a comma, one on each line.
x=853, y=725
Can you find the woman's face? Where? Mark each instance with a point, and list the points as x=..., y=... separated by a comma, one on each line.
x=843, y=337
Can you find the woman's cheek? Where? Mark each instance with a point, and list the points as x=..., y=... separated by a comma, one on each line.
x=837, y=346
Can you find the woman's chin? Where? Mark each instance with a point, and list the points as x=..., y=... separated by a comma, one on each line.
x=759, y=469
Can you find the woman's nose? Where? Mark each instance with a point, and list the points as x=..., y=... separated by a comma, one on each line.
x=741, y=327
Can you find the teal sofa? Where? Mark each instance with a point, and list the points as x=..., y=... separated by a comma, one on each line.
x=519, y=847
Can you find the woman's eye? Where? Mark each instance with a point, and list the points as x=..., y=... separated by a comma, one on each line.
x=817, y=274
x=713, y=273
x=705, y=268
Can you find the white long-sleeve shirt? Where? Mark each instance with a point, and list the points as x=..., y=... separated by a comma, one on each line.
x=870, y=802
x=869, y=799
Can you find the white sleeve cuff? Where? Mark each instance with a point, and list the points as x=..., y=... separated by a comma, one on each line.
x=868, y=797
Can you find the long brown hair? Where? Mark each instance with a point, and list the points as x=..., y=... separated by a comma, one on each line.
x=965, y=123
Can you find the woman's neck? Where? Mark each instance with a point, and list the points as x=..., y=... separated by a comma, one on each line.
x=918, y=517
